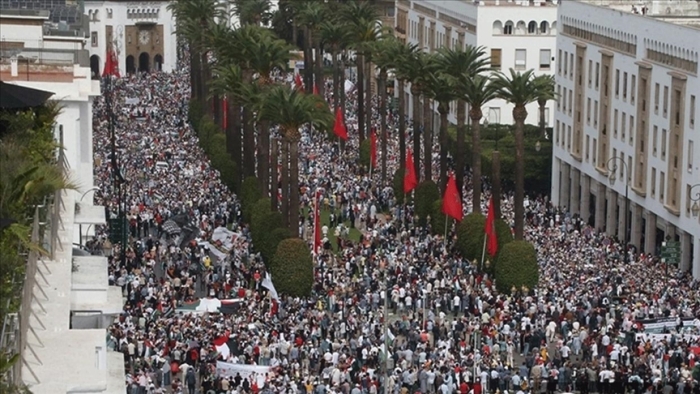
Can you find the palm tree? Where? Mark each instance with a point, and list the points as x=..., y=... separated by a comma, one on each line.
x=312, y=16
x=519, y=89
x=386, y=53
x=460, y=64
x=478, y=90
x=547, y=84
x=416, y=70
x=404, y=54
x=194, y=20
x=334, y=35
x=441, y=88
x=253, y=12
x=290, y=110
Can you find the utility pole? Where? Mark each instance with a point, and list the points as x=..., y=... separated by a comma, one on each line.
x=386, y=332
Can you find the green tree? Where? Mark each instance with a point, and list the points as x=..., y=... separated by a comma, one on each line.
x=292, y=268
x=516, y=267
x=426, y=194
x=470, y=236
x=250, y=195
x=403, y=53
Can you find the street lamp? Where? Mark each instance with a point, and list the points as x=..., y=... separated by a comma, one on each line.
x=695, y=209
x=612, y=169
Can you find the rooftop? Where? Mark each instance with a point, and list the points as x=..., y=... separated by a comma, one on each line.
x=653, y=8
x=516, y=3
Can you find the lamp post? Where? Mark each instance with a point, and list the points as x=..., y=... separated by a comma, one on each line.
x=695, y=198
x=80, y=226
x=612, y=169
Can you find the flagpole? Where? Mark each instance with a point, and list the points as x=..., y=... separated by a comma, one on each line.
x=483, y=253
x=446, y=219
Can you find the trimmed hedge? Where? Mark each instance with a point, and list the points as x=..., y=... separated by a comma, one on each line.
x=292, y=268
x=516, y=266
x=437, y=219
x=365, y=148
x=257, y=212
x=426, y=194
x=503, y=233
x=250, y=194
x=271, y=241
x=262, y=237
x=470, y=236
x=221, y=160
x=398, y=187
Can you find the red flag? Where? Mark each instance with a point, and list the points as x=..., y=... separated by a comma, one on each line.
x=451, y=202
x=317, y=224
x=315, y=89
x=409, y=178
x=220, y=341
x=339, y=128
x=490, y=230
x=298, y=83
x=373, y=148
x=111, y=64
x=224, y=122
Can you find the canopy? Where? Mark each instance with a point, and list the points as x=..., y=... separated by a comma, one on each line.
x=15, y=96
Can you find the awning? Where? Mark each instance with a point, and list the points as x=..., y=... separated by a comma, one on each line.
x=15, y=96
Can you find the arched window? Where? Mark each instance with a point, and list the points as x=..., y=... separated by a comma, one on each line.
x=544, y=27
x=520, y=28
x=508, y=28
x=497, y=28
x=532, y=27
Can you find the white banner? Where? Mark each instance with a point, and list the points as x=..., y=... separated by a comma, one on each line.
x=225, y=237
x=267, y=283
x=245, y=370
x=131, y=101
x=220, y=256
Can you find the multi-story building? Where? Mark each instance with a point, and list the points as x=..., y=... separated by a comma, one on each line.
x=141, y=33
x=518, y=34
x=62, y=333
x=628, y=86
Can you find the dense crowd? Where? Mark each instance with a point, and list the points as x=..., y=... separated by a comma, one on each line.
x=449, y=331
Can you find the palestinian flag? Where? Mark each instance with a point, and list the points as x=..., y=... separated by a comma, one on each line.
x=221, y=345
x=211, y=305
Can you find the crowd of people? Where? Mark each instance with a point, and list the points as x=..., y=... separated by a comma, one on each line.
x=584, y=328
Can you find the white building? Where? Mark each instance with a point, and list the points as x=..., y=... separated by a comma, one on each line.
x=628, y=85
x=63, y=344
x=141, y=32
x=518, y=34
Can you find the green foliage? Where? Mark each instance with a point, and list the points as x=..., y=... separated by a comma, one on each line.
x=196, y=112
x=365, y=148
x=538, y=165
x=398, y=186
x=271, y=241
x=250, y=194
x=259, y=209
x=213, y=142
x=263, y=240
x=503, y=233
x=292, y=268
x=437, y=219
x=470, y=236
x=426, y=194
x=516, y=266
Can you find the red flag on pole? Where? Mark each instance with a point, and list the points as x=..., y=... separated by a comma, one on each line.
x=339, y=128
x=373, y=148
x=225, y=114
x=451, y=202
x=409, y=178
x=490, y=230
x=111, y=64
x=317, y=224
x=298, y=83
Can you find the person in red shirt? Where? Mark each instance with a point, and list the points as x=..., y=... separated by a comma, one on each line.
x=463, y=388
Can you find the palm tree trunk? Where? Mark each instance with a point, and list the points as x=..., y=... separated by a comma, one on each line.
x=360, y=97
x=402, y=124
x=308, y=62
x=459, y=157
x=295, y=33
x=233, y=135
x=381, y=87
x=216, y=104
x=264, y=157
x=294, y=187
x=204, y=84
x=496, y=182
x=368, y=92
x=475, y=115
x=320, y=85
x=285, y=181
x=336, y=77
x=443, y=109
x=195, y=75
x=248, y=144
x=273, y=170
x=416, y=121
x=427, y=140
x=519, y=115
x=543, y=121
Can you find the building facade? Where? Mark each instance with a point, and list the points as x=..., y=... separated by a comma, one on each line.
x=628, y=107
x=142, y=33
x=518, y=34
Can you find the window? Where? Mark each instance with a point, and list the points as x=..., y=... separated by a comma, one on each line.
x=690, y=156
x=556, y=134
x=623, y=124
x=558, y=95
x=677, y=98
x=631, y=129
x=692, y=111
x=559, y=63
x=496, y=58
x=665, y=101
x=571, y=101
x=566, y=64
x=571, y=69
x=520, y=59
x=595, y=113
x=544, y=27
x=662, y=181
x=656, y=98
x=93, y=38
x=563, y=99
x=663, y=144
x=597, y=75
x=590, y=72
x=508, y=28
x=654, y=143
x=532, y=27
x=588, y=141
x=617, y=83
x=588, y=111
x=653, y=182
x=624, y=86
x=615, y=124
x=109, y=13
x=568, y=138
x=545, y=58
x=633, y=88
x=389, y=11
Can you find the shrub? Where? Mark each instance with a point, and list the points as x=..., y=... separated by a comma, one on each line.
x=250, y=194
x=516, y=266
x=261, y=236
x=206, y=132
x=271, y=240
x=437, y=219
x=195, y=112
x=292, y=268
x=503, y=233
x=222, y=162
x=258, y=211
x=426, y=194
x=398, y=187
x=470, y=236
x=365, y=148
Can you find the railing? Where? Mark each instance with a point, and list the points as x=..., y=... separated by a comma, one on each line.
x=15, y=326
